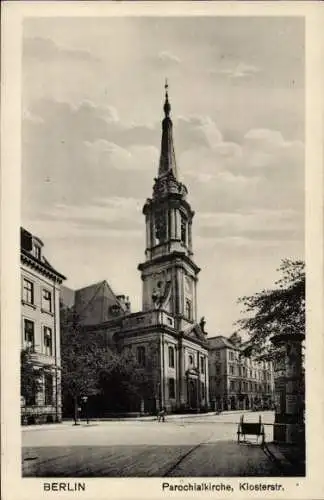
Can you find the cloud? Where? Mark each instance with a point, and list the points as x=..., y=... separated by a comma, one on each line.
x=269, y=139
x=167, y=58
x=45, y=49
x=240, y=70
x=102, y=218
x=68, y=230
x=253, y=224
x=237, y=176
x=196, y=131
x=77, y=155
x=228, y=176
x=134, y=158
x=28, y=116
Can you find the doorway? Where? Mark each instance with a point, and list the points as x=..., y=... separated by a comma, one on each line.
x=192, y=393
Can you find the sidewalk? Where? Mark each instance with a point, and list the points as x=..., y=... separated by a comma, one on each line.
x=288, y=458
x=145, y=418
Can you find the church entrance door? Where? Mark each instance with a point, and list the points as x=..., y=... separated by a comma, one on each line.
x=192, y=393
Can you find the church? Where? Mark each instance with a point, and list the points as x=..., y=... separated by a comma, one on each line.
x=166, y=336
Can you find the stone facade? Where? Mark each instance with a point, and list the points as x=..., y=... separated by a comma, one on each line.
x=178, y=360
x=40, y=329
x=238, y=381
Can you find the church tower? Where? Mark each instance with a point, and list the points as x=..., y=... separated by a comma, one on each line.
x=165, y=337
x=169, y=273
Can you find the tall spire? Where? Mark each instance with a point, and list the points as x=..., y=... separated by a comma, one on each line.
x=167, y=158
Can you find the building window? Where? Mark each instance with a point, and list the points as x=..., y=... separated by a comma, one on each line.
x=188, y=309
x=171, y=357
x=231, y=355
x=171, y=388
x=48, y=388
x=190, y=359
x=217, y=354
x=29, y=334
x=202, y=365
x=231, y=369
x=37, y=252
x=183, y=230
x=160, y=226
x=140, y=355
x=48, y=341
x=218, y=370
x=28, y=291
x=47, y=301
x=232, y=386
x=31, y=399
x=202, y=390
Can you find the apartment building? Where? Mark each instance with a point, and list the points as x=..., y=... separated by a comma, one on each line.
x=237, y=381
x=40, y=332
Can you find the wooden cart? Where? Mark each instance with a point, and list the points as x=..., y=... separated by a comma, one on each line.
x=250, y=429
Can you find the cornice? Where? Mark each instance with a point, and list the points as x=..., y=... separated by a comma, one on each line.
x=169, y=258
x=41, y=267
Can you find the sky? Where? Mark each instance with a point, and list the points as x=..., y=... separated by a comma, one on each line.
x=93, y=91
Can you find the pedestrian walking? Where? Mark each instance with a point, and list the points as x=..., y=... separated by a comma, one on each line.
x=161, y=414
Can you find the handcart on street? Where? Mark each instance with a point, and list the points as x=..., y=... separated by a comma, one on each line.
x=250, y=429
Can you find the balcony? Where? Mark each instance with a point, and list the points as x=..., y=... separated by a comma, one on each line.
x=40, y=358
x=149, y=318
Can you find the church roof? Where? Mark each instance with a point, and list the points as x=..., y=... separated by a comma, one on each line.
x=219, y=342
x=93, y=304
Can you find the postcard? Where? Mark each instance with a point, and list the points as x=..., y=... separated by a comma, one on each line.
x=162, y=250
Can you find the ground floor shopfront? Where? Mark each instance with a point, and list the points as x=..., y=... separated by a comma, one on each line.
x=45, y=405
x=243, y=402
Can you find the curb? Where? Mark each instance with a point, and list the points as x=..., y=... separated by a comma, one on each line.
x=278, y=457
x=171, y=417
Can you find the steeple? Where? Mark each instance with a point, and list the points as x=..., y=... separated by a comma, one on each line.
x=169, y=273
x=167, y=158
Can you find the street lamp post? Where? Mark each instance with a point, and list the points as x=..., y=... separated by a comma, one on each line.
x=85, y=403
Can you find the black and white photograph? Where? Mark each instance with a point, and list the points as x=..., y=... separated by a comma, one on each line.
x=162, y=269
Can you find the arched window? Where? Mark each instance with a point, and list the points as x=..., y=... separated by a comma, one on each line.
x=183, y=230
x=160, y=226
x=188, y=311
x=171, y=357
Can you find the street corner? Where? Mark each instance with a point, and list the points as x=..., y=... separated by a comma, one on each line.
x=288, y=459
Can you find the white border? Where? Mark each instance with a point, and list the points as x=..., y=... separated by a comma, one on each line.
x=14, y=486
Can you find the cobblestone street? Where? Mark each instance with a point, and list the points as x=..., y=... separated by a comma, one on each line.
x=201, y=446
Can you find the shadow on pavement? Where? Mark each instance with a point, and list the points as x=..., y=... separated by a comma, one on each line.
x=222, y=458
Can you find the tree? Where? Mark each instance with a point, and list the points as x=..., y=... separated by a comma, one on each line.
x=83, y=360
x=30, y=383
x=275, y=311
x=124, y=383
